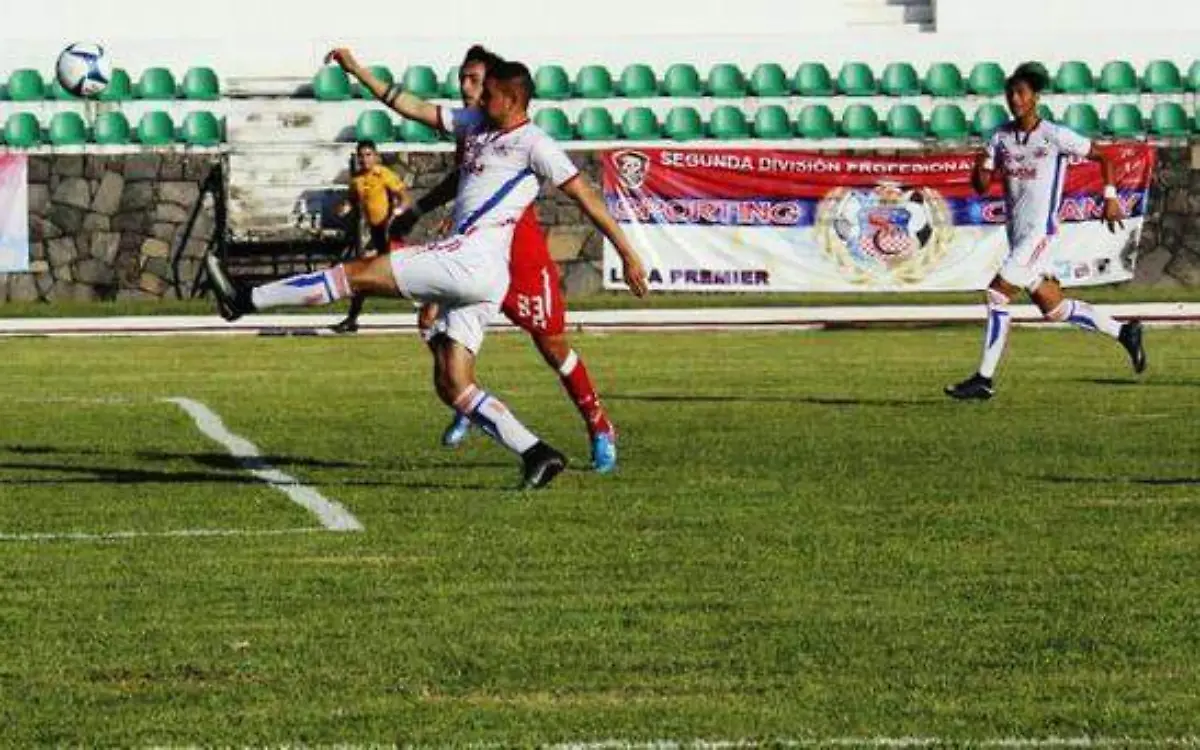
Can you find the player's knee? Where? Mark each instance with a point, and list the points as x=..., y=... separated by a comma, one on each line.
x=1059, y=312
x=554, y=349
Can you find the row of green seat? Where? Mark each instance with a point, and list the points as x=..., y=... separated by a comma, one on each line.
x=68, y=128
x=200, y=84
x=770, y=80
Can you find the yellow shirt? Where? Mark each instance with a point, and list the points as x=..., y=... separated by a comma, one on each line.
x=373, y=190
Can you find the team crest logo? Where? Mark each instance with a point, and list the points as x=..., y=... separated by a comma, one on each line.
x=1041, y=152
x=632, y=168
x=885, y=236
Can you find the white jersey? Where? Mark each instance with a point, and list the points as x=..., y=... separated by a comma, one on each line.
x=500, y=172
x=1035, y=168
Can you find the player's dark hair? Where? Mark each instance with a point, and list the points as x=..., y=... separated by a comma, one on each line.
x=480, y=54
x=366, y=143
x=1031, y=74
x=515, y=75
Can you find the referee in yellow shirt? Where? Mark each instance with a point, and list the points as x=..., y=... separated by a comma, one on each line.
x=380, y=196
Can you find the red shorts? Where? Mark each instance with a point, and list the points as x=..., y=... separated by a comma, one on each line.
x=535, y=300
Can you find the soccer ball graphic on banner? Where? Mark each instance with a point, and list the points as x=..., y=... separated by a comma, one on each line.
x=84, y=69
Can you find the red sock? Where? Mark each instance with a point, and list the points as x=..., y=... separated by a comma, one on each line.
x=575, y=379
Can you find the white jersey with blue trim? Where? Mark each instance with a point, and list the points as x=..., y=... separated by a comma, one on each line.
x=501, y=171
x=1035, y=169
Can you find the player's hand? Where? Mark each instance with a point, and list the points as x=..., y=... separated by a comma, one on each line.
x=343, y=57
x=635, y=276
x=1113, y=215
x=445, y=226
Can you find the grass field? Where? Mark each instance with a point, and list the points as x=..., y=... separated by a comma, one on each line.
x=805, y=541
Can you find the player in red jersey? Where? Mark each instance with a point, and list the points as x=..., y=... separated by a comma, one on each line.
x=535, y=301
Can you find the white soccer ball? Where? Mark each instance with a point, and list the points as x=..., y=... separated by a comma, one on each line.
x=84, y=69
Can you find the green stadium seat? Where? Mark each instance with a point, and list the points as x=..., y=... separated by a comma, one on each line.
x=986, y=79
x=1045, y=113
x=1074, y=77
x=22, y=130
x=948, y=122
x=816, y=121
x=551, y=82
x=67, y=128
x=554, y=121
x=682, y=79
x=111, y=129
x=640, y=124
x=988, y=118
x=856, y=79
x=55, y=90
x=726, y=81
x=26, y=85
x=156, y=84
x=412, y=131
x=331, y=84
x=374, y=125
x=382, y=72
x=905, y=121
x=594, y=82
x=595, y=124
x=900, y=79
x=120, y=87
x=727, y=122
x=201, y=84
x=420, y=80
x=769, y=79
x=1082, y=118
x=860, y=121
x=1124, y=120
x=1163, y=77
x=1168, y=119
x=201, y=128
x=771, y=122
x=638, y=82
x=944, y=79
x=451, y=88
x=1194, y=76
x=812, y=79
x=683, y=124
x=1118, y=77
x=156, y=129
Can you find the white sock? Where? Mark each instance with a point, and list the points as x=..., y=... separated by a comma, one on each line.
x=1085, y=316
x=995, y=333
x=305, y=290
x=494, y=418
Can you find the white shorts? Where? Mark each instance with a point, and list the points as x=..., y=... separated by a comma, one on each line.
x=1028, y=262
x=466, y=275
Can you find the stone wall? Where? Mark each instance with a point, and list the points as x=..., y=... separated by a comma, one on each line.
x=106, y=227
x=103, y=227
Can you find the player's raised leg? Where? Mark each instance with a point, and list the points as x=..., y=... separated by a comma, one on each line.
x=1055, y=306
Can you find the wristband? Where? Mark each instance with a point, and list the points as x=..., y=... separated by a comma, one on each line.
x=1110, y=192
x=392, y=92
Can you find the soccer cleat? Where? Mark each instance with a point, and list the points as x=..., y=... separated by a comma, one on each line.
x=1131, y=338
x=233, y=301
x=457, y=431
x=542, y=464
x=349, y=325
x=604, y=452
x=975, y=387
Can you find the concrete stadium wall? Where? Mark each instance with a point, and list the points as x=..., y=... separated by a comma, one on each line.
x=113, y=227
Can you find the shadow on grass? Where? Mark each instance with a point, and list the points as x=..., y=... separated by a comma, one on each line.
x=674, y=398
x=1149, y=481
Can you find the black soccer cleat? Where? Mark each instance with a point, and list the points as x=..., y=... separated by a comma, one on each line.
x=1131, y=338
x=349, y=325
x=976, y=387
x=233, y=300
x=542, y=464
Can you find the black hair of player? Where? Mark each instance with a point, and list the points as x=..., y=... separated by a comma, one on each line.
x=366, y=143
x=516, y=75
x=1031, y=74
x=480, y=54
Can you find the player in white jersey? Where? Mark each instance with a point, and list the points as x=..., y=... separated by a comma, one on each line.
x=505, y=160
x=1033, y=156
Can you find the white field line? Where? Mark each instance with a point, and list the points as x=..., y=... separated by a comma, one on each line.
x=901, y=743
x=332, y=515
x=75, y=536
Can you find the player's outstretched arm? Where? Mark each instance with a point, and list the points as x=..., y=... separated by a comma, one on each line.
x=412, y=107
x=1113, y=214
x=582, y=192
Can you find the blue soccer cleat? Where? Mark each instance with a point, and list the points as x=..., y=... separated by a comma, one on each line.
x=457, y=431
x=604, y=452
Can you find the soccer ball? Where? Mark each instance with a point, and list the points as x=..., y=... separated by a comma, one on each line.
x=84, y=69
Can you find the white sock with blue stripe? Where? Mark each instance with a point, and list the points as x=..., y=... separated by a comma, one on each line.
x=304, y=290
x=995, y=333
x=494, y=418
x=1082, y=314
